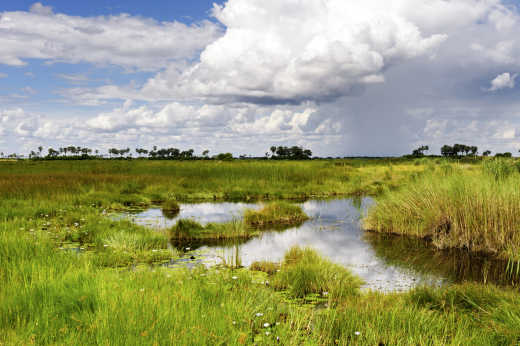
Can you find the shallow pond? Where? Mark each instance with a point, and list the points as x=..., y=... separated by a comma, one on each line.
x=384, y=262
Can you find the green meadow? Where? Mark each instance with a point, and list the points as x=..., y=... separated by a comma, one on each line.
x=71, y=273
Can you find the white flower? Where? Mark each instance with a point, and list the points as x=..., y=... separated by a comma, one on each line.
x=234, y=277
x=234, y=322
x=188, y=249
x=266, y=325
x=357, y=333
x=142, y=290
x=325, y=293
x=267, y=333
x=259, y=314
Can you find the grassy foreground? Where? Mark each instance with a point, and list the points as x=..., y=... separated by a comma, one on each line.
x=56, y=297
x=71, y=275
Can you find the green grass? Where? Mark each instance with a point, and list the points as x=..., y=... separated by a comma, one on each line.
x=305, y=272
x=55, y=297
x=106, y=293
x=170, y=206
x=105, y=182
x=275, y=213
x=474, y=210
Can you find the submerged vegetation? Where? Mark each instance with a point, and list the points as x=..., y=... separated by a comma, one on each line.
x=187, y=229
x=275, y=213
x=61, y=254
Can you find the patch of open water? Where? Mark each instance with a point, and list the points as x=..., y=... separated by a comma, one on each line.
x=384, y=262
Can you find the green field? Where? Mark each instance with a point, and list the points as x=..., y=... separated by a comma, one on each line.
x=107, y=293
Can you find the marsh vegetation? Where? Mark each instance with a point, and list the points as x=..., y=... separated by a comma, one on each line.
x=64, y=262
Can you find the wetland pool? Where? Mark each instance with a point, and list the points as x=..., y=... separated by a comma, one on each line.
x=385, y=262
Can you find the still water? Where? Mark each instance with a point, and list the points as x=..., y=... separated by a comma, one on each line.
x=385, y=263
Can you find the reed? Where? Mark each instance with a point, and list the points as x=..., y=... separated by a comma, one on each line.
x=474, y=210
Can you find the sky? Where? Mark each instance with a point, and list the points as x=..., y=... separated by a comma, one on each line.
x=341, y=77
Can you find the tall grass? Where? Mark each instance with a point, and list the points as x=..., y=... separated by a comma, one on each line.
x=105, y=181
x=474, y=210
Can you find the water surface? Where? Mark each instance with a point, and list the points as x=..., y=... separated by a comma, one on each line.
x=384, y=262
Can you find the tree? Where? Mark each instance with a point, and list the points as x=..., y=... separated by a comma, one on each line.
x=113, y=151
x=458, y=150
x=205, y=153
x=447, y=151
x=273, y=150
x=419, y=152
x=52, y=153
x=141, y=151
x=486, y=153
x=224, y=157
x=290, y=153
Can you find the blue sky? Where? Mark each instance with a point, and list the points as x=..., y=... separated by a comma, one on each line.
x=184, y=11
x=340, y=77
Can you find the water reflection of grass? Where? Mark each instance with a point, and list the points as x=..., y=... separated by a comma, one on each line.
x=188, y=229
x=457, y=265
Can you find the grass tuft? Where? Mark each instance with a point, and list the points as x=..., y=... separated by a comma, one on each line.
x=275, y=213
x=305, y=272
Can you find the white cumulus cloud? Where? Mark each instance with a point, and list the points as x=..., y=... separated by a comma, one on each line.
x=289, y=51
x=123, y=40
x=502, y=81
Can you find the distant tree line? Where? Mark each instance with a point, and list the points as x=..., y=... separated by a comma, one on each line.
x=83, y=153
x=289, y=153
x=456, y=151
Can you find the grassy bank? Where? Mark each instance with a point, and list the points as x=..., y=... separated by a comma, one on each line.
x=478, y=210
